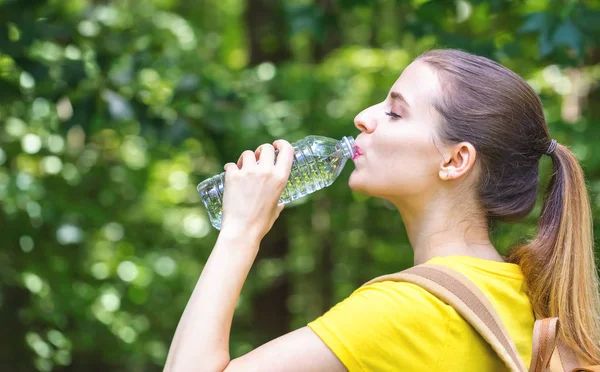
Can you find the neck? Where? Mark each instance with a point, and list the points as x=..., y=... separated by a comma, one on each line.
x=444, y=228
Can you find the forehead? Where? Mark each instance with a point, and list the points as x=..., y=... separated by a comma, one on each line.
x=419, y=85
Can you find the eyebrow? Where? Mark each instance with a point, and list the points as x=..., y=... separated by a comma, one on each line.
x=397, y=96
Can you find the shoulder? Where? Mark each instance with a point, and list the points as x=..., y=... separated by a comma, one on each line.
x=389, y=303
x=391, y=296
x=413, y=323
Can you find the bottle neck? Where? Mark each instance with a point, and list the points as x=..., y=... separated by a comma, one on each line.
x=348, y=147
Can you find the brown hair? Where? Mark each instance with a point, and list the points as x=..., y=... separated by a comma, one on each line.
x=491, y=107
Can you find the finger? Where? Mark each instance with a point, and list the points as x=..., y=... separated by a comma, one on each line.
x=265, y=154
x=247, y=159
x=231, y=167
x=285, y=157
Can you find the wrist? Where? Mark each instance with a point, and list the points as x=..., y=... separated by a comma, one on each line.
x=236, y=228
x=235, y=237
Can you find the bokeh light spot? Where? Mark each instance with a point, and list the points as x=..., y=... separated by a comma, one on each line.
x=127, y=334
x=165, y=266
x=178, y=180
x=31, y=143
x=127, y=271
x=110, y=301
x=266, y=71
x=55, y=143
x=114, y=231
x=33, y=282
x=69, y=234
x=100, y=270
x=51, y=164
x=26, y=80
x=15, y=127
x=195, y=225
x=26, y=243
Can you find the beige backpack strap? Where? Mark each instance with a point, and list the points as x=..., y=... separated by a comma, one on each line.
x=544, y=342
x=567, y=356
x=569, y=360
x=468, y=300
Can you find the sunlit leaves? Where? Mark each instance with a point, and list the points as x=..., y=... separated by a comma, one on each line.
x=112, y=112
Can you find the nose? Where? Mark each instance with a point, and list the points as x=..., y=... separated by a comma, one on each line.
x=364, y=121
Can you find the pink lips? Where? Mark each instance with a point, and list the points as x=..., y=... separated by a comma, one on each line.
x=357, y=153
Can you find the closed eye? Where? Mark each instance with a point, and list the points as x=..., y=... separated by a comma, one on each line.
x=393, y=115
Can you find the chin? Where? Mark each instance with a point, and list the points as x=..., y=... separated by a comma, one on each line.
x=369, y=187
x=356, y=185
x=352, y=183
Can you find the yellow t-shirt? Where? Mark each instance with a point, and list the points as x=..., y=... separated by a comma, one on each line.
x=397, y=326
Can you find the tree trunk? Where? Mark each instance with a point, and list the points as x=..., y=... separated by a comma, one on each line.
x=270, y=314
x=331, y=31
x=267, y=29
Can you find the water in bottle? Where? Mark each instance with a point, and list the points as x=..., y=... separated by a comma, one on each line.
x=318, y=161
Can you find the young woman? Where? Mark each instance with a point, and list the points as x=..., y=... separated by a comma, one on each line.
x=455, y=145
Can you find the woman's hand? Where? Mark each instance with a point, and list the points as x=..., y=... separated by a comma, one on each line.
x=252, y=191
x=250, y=206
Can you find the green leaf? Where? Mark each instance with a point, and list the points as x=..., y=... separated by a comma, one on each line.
x=545, y=45
x=588, y=20
x=304, y=17
x=540, y=21
x=568, y=34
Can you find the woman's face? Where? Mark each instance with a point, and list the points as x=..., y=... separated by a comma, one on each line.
x=398, y=157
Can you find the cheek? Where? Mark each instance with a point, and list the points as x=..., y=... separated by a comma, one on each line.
x=410, y=160
x=409, y=149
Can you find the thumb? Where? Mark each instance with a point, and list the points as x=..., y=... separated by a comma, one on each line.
x=280, y=207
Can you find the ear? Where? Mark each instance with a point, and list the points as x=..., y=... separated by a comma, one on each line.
x=459, y=159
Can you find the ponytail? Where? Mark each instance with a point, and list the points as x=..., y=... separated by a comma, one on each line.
x=558, y=263
x=491, y=107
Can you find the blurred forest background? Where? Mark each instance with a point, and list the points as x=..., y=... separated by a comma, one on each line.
x=111, y=112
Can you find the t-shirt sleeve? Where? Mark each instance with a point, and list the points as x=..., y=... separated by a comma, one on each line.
x=386, y=326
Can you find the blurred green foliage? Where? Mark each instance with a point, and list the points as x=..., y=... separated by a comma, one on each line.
x=112, y=111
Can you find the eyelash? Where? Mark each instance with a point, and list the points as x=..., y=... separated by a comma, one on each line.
x=393, y=115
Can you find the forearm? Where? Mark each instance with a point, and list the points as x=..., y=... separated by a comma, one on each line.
x=202, y=336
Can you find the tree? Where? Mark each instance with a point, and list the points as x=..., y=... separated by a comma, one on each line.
x=112, y=112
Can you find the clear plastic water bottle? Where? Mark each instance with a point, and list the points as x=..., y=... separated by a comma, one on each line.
x=318, y=161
